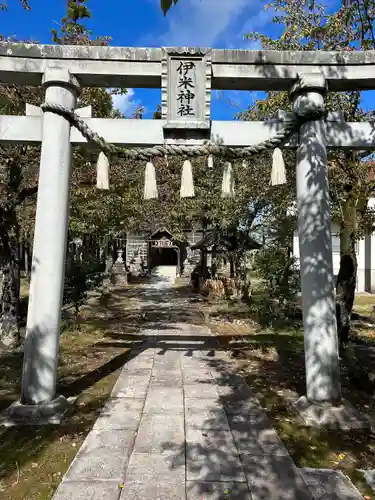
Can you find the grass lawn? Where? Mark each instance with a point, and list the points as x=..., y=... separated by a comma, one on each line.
x=272, y=362
x=364, y=303
x=92, y=353
x=33, y=460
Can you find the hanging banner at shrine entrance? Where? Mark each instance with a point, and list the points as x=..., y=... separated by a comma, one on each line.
x=162, y=243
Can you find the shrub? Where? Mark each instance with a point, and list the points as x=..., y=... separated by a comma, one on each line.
x=280, y=280
x=80, y=279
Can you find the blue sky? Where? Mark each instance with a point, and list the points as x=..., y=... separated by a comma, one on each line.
x=209, y=23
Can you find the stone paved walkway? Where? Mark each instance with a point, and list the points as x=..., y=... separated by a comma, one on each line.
x=181, y=426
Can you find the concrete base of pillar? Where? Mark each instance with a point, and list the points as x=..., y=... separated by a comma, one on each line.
x=51, y=413
x=327, y=416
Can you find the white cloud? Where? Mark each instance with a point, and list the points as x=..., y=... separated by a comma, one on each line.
x=213, y=23
x=207, y=23
x=256, y=20
x=126, y=103
x=199, y=22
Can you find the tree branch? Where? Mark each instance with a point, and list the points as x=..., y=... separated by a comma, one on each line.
x=17, y=198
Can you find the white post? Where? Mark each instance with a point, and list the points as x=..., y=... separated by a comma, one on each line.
x=314, y=231
x=50, y=241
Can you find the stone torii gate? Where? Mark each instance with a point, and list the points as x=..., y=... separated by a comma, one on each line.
x=63, y=70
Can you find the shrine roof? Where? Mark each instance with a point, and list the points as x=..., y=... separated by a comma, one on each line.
x=161, y=230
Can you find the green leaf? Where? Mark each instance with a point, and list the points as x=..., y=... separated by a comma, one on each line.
x=166, y=5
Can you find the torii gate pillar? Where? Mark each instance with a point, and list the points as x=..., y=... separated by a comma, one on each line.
x=38, y=392
x=314, y=231
x=322, y=405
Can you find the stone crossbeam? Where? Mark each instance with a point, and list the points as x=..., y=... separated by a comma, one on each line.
x=142, y=68
x=132, y=132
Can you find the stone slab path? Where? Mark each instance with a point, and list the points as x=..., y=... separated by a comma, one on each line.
x=370, y=478
x=163, y=277
x=180, y=425
x=328, y=484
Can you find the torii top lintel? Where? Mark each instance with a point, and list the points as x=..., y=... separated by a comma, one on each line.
x=142, y=67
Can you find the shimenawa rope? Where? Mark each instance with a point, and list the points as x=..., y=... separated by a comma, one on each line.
x=289, y=127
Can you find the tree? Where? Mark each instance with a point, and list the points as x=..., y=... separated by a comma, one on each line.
x=19, y=167
x=24, y=3
x=164, y=4
x=19, y=171
x=309, y=26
